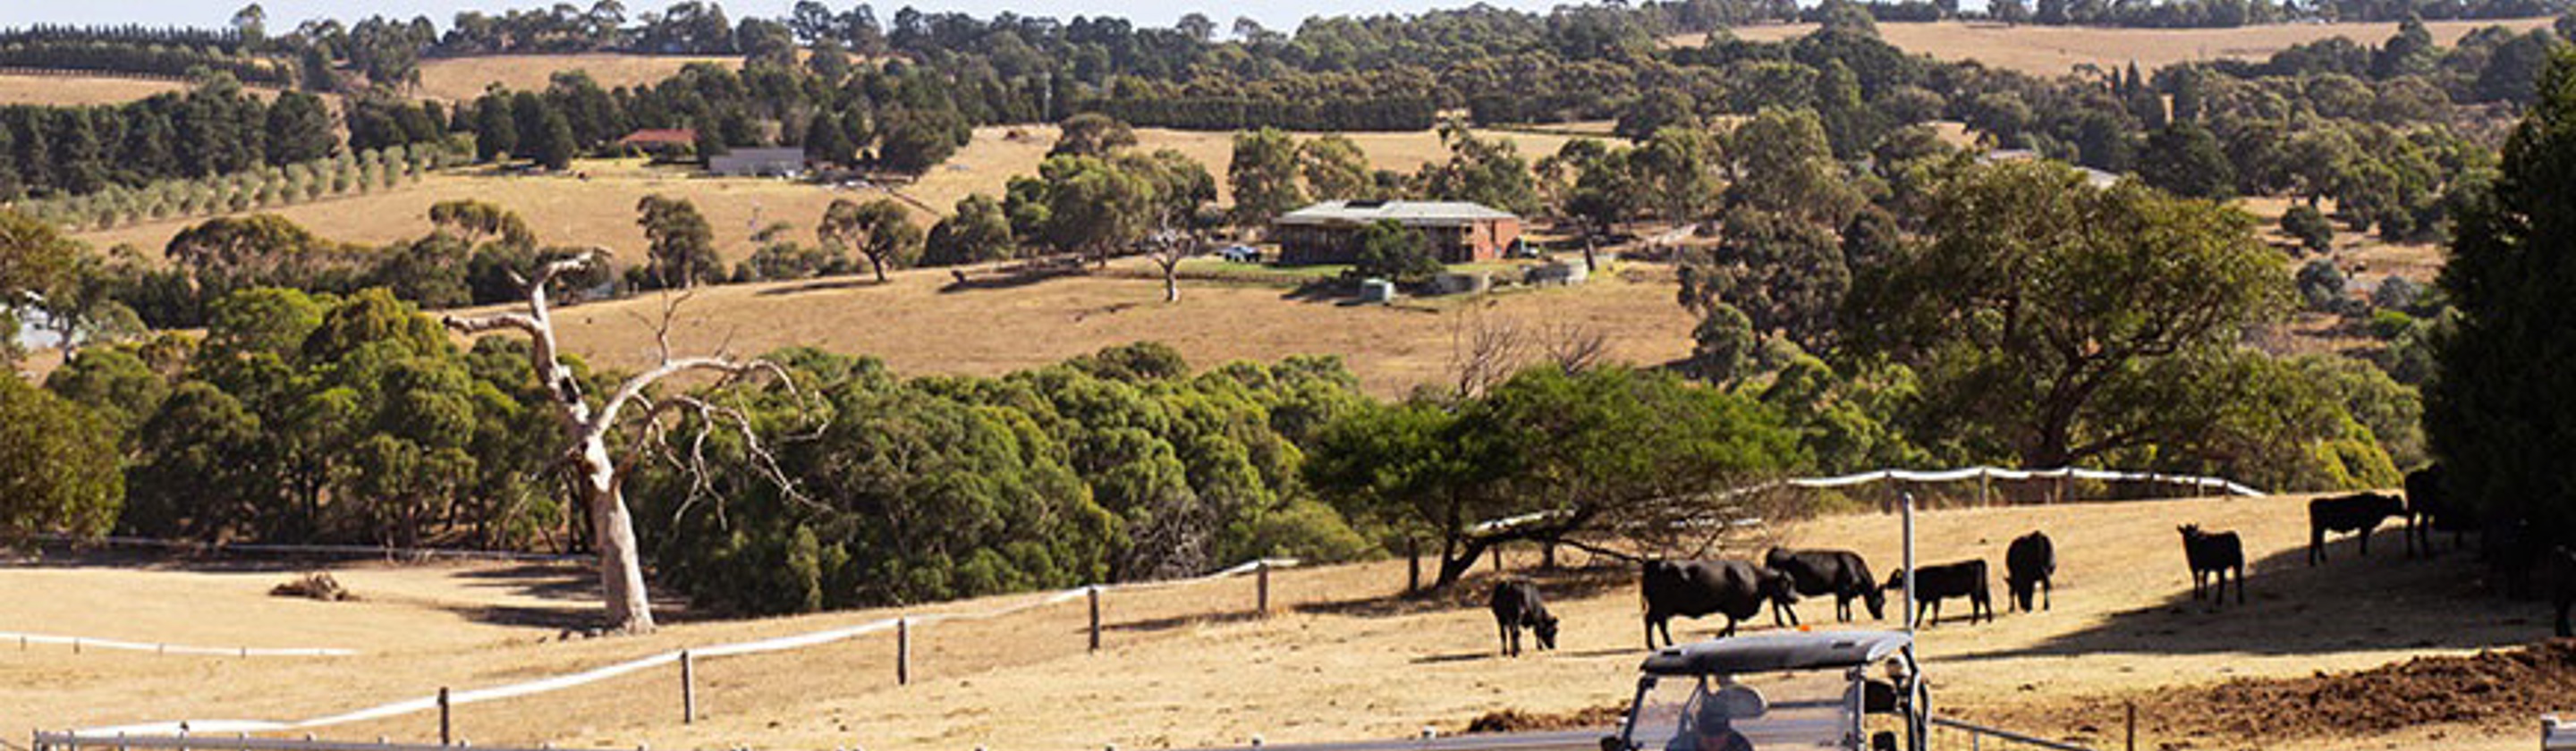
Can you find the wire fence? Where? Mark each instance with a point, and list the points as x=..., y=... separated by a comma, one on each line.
x=81, y=643
x=1980, y=738
x=904, y=628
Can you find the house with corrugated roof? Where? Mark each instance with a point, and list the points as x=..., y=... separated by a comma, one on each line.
x=1457, y=232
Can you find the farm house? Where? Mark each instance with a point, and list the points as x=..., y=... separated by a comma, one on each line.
x=1458, y=232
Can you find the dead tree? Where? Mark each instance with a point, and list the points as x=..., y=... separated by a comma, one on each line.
x=600, y=471
x=1168, y=248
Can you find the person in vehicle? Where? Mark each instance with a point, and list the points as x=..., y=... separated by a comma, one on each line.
x=1713, y=729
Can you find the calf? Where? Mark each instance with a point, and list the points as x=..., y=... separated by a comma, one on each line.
x=2214, y=554
x=2029, y=564
x=1932, y=584
x=1840, y=573
x=2360, y=513
x=1516, y=605
x=1736, y=589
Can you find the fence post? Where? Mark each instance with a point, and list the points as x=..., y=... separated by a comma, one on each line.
x=1261, y=587
x=446, y=731
x=1983, y=495
x=2133, y=725
x=1095, y=618
x=1498, y=557
x=902, y=651
x=688, y=688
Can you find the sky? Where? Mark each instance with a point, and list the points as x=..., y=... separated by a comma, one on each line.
x=1276, y=14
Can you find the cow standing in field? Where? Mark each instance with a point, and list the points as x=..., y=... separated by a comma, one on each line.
x=1736, y=589
x=1516, y=605
x=2214, y=554
x=1932, y=584
x=2428, y=508
x=2030, y=563
x=2560, y=565
x=2360, y=513
x=1817, y=573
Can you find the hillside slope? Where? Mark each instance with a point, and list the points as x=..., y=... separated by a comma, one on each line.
x=1182, y=668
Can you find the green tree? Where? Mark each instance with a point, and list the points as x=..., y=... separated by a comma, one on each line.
x=1387, y=250
x=58, y=465
x=1783, y=164
x=880, y=229
x=1092, y=134
x=2042, y=297
x=1263, y=174
x=2497, y=411
x=977, y=233
x=1786, y=276
x=1335, y=168
x=2306, y=224
x=682, y=249
x=1488, y=171
x=2183, y=158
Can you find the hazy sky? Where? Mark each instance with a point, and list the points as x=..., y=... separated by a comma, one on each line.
x=1277, y=14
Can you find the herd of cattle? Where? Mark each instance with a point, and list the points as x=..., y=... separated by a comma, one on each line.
x=1739, y=589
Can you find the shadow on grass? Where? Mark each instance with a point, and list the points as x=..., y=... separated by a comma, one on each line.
x=2348, y=603
x=1152, y=625
x=1471, y=590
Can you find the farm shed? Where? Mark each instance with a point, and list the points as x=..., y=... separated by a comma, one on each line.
x=1458, y=232
x=758, y=163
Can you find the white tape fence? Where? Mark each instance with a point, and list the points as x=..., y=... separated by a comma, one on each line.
x=494, y=693
x=2206, y=485
x=78, y=643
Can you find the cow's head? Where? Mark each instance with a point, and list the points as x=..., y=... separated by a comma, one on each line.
x=1545, y=628
x=1777, y=586
x=1895, y=581
x=1877, y=601
x=2190, y=531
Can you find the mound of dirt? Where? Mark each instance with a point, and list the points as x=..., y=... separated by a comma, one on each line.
x=318, y=585
x=2490, y=688
x=1517, y=721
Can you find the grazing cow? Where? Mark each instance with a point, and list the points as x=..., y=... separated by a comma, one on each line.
x=1816, y=573
x=1736, y=589
x=1932, y=584
x=2429, y=508
x=2214, y=554
x=2030, y=563
x=2360, y=512
x=1516, y=605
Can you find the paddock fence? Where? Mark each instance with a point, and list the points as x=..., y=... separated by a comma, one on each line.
x=1981, y=738
x=51, y=741
x=446, y=701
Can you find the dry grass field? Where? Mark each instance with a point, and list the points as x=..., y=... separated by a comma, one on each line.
x=918, y=324
x=1183, y=667
x=68, y=91
x=601, y=208
x=465, y=77
x=2052, y=50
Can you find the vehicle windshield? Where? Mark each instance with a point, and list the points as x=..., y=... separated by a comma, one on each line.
x=1770, y=711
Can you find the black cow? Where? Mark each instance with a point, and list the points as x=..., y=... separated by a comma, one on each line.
x=2360, y=512
x=2214, y=553
x=2429, y=508
x=1516, y=605
x=2561, y=563
x=1816, y=573
x=1932, y=584
x=2030, y=563
x=1736, y=589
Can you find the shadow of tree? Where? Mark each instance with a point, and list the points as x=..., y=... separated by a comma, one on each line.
x=2348, y=603
x=1471, y=591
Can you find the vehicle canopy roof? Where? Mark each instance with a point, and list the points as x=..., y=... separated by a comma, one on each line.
x=1765, y=653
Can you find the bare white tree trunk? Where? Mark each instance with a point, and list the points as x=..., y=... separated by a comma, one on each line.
x=602, y=472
